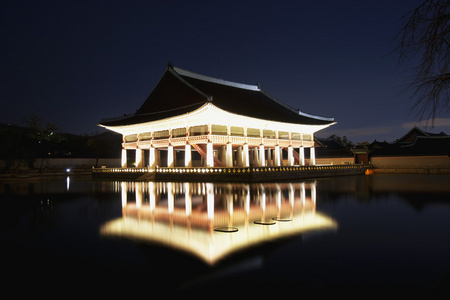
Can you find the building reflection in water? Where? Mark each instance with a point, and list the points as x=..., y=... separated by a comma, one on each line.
x=213, y=220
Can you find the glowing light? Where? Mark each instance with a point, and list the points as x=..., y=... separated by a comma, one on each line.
x=199, y=240
x=211, y=246
x=210, y=114
x=67, y=183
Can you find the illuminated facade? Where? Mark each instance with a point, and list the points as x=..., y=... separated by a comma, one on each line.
x=228, y=124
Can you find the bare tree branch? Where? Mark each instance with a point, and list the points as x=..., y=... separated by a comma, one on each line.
x=426, y=34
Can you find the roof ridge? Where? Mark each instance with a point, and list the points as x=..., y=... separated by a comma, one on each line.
x=295, y=110
x=174, y=72
x=191, y=74
x=183, y=72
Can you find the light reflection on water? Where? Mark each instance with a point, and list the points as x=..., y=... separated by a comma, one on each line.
x=344, y=234
x=212, y=220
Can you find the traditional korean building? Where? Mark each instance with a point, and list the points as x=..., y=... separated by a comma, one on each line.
x=228, y=124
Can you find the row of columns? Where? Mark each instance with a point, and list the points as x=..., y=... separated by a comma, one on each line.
x=208, y=191
x=244, y=158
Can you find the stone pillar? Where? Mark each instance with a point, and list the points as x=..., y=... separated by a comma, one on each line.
x=229, y=156
x=124, y=158
x=262, y=156
x=302, y=156
x=277, y=156
x=170, y=157
x=290, y=156
x=139, y=158
x=255, y=153
x=209, y=155
x=157, y=157
x=187, y=156
x=312, y=156
x=222, y=154
x=152, y=157
x=245, y=158
x=239, y=157
x=269, y=157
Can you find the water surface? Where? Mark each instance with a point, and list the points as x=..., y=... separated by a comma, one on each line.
x=381, y=235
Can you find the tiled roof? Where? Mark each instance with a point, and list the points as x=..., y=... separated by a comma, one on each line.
x=180, y=91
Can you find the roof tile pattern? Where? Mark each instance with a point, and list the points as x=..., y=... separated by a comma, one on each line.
x=179, y=92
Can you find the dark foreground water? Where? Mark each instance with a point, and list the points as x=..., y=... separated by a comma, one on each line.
x=384, y=236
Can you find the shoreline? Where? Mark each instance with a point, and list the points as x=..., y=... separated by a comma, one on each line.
x=36, y=175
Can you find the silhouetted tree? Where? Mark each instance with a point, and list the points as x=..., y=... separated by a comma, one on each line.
x=45, y=136
x=342, y=141
x=426, y=34
x=17, y=149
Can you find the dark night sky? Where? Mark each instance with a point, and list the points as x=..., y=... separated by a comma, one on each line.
x=75, y=62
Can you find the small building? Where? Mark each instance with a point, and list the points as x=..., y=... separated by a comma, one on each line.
x=191, y=120
x=417, y=151
x=416, y=142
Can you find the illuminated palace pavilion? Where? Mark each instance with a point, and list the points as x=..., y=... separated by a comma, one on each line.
x=192, y=120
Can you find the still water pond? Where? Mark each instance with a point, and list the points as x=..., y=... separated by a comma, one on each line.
x=381, y=235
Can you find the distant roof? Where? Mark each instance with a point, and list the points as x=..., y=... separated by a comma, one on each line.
x=330, y=147
x=422, y=145
x=180, y=91
x=414, y=142
x=415, y=132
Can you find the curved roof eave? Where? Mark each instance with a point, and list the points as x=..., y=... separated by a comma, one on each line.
x=209, y=113
x=180, y=91
x=233, y=96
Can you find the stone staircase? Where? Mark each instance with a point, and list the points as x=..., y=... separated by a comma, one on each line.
x=201, y=149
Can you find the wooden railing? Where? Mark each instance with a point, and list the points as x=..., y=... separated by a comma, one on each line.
x=215, y=139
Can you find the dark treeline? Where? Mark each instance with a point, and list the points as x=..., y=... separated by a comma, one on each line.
x=21, y=146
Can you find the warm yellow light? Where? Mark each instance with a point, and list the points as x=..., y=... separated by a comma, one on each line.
x=210, y=114
x=212, y=247
x=140, y=219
